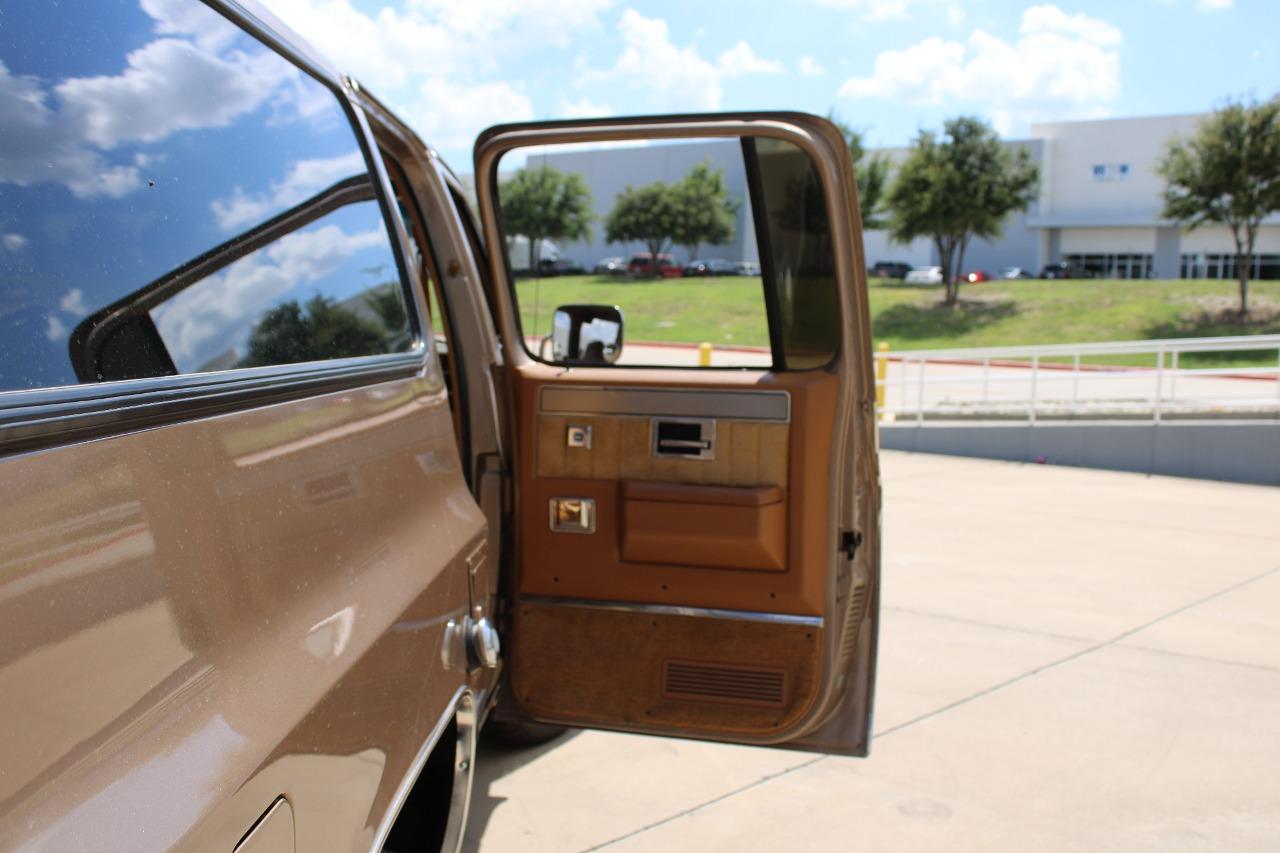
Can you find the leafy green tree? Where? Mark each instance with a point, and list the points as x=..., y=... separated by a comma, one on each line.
x=957, y=187
x=543, y=203
x=1228, y=173
x=290, y=333
x=648, y=214
x=871, y=173
x=704, y=211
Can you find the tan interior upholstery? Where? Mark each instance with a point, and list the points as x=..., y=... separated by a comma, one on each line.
x=718, y=526
x=609, y=668
x=747, y=531
x=747, y=453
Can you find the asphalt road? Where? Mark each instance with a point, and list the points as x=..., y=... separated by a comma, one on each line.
x=1070, y=660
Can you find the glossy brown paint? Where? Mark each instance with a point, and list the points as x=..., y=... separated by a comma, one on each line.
x=204, y=617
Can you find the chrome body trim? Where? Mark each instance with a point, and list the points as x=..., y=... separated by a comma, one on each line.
x=461, y=706
x=48, y=416
x=675, y=610
x=672, y=402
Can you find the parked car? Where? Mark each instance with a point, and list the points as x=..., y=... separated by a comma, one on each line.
x=714, y=266
x=924, y=275
x=271, y=556
x=641, y=266
x=611, y=266
x=1062, y=269
x=747, y=267
x=560, y=266
x=890, y=269
x=1014, y=273
x=976, y=276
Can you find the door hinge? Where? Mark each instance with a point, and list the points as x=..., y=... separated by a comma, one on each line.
x=849, y=542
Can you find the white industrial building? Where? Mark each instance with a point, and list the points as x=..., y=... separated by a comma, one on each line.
x=1099, y=205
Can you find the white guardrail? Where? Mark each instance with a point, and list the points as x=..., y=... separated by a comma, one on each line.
x=1056, y=381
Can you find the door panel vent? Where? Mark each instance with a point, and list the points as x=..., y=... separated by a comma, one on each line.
x=853, y=621
x=728, y=684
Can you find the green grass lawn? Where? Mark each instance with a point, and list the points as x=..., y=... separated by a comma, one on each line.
x=731, y=311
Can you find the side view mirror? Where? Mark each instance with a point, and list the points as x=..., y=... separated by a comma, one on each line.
x=586, y=334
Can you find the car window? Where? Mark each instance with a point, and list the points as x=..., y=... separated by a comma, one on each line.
x=175, y=197
x=631, y=227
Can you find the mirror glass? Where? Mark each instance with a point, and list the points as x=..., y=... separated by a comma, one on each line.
x=717, y=250
x=586, y=334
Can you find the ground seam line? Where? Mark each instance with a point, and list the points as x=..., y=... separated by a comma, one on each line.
x=964, y=701
x=711, y=802
x=1124, y=635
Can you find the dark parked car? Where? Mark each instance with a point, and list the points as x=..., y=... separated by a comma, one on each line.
x=715, y=266
x=1064, y=270
x=891, y=269
x=560, y=266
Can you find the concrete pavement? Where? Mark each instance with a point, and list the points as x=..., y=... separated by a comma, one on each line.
x=1070, y=660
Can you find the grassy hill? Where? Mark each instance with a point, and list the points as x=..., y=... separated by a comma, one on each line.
x=728, y=311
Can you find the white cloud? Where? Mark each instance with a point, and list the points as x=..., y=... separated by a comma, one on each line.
x=187, y=78
x=41, y=145
x=72, y=302
x=55, y=330
x=674, y=78
x=1060, y=64
x=873, y=10
x=451, y=115
x=305, y=179
x=583, y=108
x=809, y=66
x=433, y=56
x=14, y=242
x=197, y=324
x=741, y=59
x=955, y=14
x=169, y=85
x=1213, y=5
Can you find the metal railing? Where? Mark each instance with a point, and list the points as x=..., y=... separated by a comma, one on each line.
x=1059, y=381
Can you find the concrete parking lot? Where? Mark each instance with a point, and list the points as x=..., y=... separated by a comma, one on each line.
x=1070, y=660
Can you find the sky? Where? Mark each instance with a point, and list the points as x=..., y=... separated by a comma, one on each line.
x=889, y=67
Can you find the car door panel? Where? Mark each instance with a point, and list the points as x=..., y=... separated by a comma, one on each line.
x=724, y=593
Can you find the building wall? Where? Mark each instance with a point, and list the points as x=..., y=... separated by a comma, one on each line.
x=1078, y=241
x=1104, y=172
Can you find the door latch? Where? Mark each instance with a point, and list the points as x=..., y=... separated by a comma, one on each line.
x=849, y=542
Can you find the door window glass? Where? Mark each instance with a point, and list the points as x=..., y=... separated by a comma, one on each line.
x=175, y=197
x=703, y=253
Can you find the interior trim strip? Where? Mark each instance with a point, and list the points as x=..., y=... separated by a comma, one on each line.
x=676, y=610
x=677, y=402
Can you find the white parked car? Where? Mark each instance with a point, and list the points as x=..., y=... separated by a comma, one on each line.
x=1014, y=272
x=924, y=275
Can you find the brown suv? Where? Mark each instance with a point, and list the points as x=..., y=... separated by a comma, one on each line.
x=280, y=463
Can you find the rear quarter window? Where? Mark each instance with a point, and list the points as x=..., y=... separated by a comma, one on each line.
x=176, y=198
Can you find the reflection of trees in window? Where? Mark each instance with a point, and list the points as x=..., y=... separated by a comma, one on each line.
x=290, y=333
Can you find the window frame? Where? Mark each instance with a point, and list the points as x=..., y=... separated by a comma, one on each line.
x=34, y=418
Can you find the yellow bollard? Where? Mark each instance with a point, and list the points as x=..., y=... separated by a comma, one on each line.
x=882, y=373
x=704, y=354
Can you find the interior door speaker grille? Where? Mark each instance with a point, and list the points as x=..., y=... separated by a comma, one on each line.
x=724, y=683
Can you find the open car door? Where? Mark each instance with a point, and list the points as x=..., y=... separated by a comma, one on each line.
x=696, y=548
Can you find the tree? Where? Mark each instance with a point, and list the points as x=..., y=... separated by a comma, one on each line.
x=956, y=188
x=543, y=203
x=704, y=211
x=290, y=333
x=648, y=214
x=1228, y=173
x=872, y=175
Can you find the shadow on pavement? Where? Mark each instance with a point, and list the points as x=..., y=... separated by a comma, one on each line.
x=493, y=761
